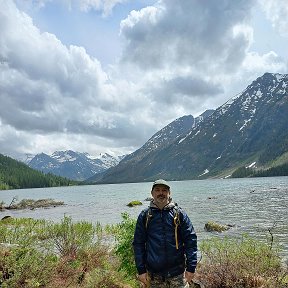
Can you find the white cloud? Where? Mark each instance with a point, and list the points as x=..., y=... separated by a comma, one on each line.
x=103, y=5
x=41, y=78
x=277, y=13
x=268, y=62
x=183, y=57
x=165, y=35
x=173, y=63
x=48, y=88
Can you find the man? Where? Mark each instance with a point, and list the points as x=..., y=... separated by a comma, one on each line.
x=165, y=243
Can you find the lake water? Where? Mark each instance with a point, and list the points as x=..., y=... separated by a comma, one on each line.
x=253, y=205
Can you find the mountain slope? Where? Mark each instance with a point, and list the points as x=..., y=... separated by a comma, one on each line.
x=73, y=165
x=249, y=128
x=163, y=138
x=241, y=131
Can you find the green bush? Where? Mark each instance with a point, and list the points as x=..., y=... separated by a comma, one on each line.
x=23, y=232
x=38, y=253
x=242, y=263
x=124, y=234
x=69, y=238
x=23, y=267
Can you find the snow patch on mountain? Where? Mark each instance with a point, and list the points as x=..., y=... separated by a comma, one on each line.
x=245, y=124
x=251, y=165
x=206, y=171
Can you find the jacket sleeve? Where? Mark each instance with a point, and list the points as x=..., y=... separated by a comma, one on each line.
x=139, y=244
x=190, y=242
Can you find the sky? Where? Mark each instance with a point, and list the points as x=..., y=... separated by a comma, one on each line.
x=102, y=76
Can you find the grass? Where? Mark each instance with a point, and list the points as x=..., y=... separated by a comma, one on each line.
x=39, y=253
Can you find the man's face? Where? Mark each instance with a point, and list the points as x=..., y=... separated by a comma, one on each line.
x=161, y=194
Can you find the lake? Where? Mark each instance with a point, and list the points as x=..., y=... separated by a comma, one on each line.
x=253, y=205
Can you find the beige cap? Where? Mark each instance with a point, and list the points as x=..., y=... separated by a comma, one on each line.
x=160, y=182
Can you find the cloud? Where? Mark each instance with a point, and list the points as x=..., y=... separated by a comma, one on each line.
x=106, y=6
x=21, y=143
x=204, y=38
x=268, y=62
x=277, y=12
x=180, y=90
x=173, y=63
x=182, y=57
x=186, y=60
x=48, y=88
x=43, y=82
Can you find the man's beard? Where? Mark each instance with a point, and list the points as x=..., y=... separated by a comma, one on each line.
x=162, y=199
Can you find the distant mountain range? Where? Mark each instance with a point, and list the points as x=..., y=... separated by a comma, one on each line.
x=250, y=130
x=73, y=165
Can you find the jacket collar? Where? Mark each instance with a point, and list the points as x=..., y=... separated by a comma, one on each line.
x=168, y=206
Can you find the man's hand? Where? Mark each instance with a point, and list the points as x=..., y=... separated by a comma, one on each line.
x=188, y=276
x=143, y=278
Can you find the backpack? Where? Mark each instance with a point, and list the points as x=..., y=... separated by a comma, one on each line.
x=176, y=216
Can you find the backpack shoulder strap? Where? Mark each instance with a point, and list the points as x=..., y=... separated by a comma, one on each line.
x=177, y=222
x=147, y=215
x=177, y=215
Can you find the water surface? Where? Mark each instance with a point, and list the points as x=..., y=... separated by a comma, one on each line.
x=253, y=205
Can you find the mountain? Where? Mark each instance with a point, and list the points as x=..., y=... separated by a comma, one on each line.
x=26, y=158
x=249, y=130
x=15, y=175
x=73, y=165
x=157, y=142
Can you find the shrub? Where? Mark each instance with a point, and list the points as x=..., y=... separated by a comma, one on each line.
x=104, y=279
x=241, y=263
x=38, y=253
x=124, y=234
x=69, y=238
x=23, y=267
x=23, y=232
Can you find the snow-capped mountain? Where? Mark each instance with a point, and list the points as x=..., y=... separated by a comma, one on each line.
x=73, y=165
x=168, y=134
x=251, y=129
x=157, y=142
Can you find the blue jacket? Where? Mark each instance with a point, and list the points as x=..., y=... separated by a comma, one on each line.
x=155, y=246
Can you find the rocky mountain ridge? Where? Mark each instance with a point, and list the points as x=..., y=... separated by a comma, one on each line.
x=161, y=139
x=250, y=128
x=73, y=165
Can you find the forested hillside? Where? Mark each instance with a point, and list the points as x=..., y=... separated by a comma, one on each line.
x=281, y=170
x=15, y=175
